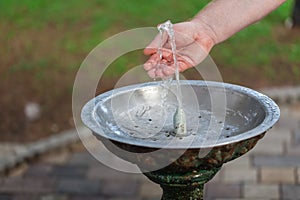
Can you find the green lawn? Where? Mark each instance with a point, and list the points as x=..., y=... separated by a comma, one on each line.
x=48, y=30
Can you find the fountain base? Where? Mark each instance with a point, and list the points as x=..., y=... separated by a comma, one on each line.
x=182, y=186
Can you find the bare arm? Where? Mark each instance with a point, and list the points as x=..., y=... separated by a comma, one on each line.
x=227, y=17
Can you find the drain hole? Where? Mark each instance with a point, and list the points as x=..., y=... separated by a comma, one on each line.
x=227, y=136
x=220, y=122
x=180, y=138
x=199, y=116
x=136, y=126
x=227, y=129
x=149, y=120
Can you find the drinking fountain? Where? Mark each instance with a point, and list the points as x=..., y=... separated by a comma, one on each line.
x=224, y=121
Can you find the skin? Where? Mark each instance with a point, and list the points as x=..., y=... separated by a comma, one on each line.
x=194, y=39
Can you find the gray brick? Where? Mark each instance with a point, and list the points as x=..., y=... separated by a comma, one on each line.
x=239, y=163
x=38, y=170
x=26, y=197
x=298, y=175
x=72, y=171
x=232, y=176
x=105, y=173
x=149, y=189
x=286, y=121
x=276, y=161
x=79, y=187
x=78, y=197
x=296, y=136
x=120, y=188
x=245, y=199
x=131, y=198
x=290, y=192
x=53, y=197
x=26, y=185
x=261, y=191
x=83, y=158
x=293, y=150
x=239, y=174
x=277, y=135
x=268, y=148
x=5, y=197
x=278, y=175
x=219, y=190
x=150, y=198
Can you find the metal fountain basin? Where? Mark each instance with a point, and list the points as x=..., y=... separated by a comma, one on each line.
x=248, y=114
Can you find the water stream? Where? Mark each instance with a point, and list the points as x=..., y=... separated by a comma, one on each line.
x=179, y=119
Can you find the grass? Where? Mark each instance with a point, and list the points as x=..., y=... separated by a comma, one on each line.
x=78, y=27
x=44, y=43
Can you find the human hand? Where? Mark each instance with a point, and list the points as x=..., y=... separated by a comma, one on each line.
x=193, y=41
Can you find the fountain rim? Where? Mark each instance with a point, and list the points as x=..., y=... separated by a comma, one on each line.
x=271, y=110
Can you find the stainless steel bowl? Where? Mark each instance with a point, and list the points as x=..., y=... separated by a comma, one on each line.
x=217, y=114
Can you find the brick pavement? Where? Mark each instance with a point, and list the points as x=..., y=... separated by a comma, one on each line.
x=270, y=171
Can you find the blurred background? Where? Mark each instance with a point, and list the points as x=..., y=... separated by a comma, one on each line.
x=44, y=42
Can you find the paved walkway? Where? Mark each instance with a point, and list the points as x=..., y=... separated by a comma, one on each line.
x=268, y=172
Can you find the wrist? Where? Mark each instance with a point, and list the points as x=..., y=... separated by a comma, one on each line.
x=204, y=34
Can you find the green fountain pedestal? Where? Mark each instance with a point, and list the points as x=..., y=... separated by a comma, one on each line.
x=182, y=186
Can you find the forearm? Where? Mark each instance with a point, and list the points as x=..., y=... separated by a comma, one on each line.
x=226, y=17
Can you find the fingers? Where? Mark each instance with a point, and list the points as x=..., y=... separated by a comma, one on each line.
x=154, y=60
x=168, y=71
x=151, y=73
x=151, y=62
x=160, y=71
x=164, y=68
